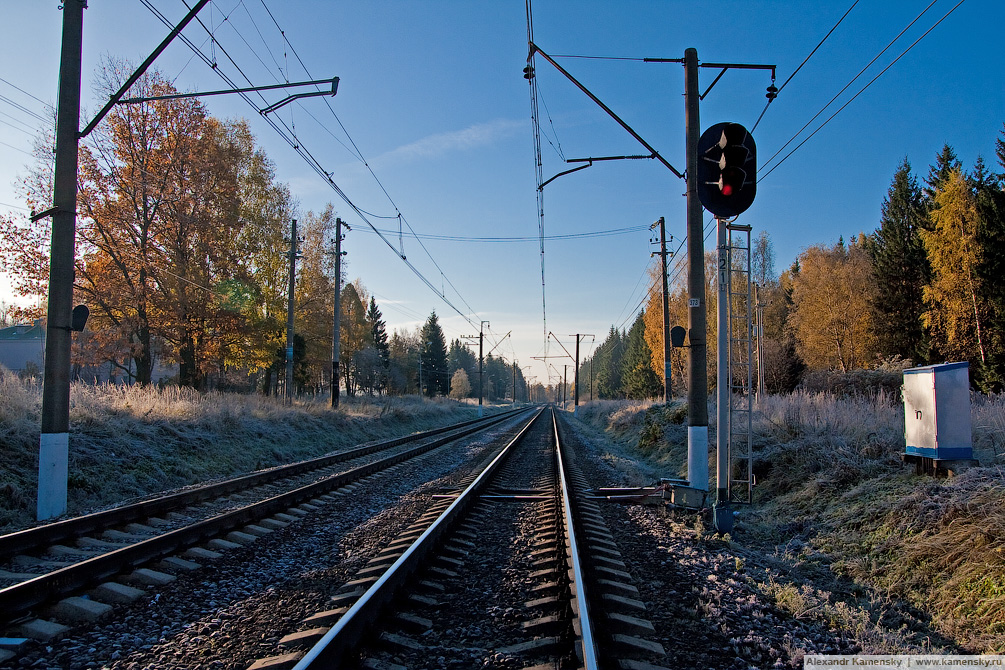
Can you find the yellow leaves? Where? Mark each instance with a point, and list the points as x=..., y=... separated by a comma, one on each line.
x=831, y=315
x=954, y=313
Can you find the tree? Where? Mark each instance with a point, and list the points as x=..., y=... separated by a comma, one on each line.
x=639, y=379
x=403, y=351
x=782, y=365
x=354, y=336
x=955, y=309
x=159, y=235
x=460, y=357
x=608, y=365
x=378, y=333
x=460, y=387
x=946, y=162
x=831, y=316
x=433, y=354
x=901, y=269
x=990, y=238
x=762, y=260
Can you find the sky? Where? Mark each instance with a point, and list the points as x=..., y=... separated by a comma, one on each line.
x=432, y=120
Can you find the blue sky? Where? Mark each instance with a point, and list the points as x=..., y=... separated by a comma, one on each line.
x=432, y=95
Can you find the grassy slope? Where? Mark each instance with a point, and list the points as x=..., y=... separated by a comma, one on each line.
x=834, y=504
x=129, y=442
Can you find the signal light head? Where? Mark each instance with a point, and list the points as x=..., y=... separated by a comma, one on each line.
x=727, y=165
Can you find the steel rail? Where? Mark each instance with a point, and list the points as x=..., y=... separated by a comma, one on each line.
x=576, y=574
x=347, y=633
x=16, y=599
x=48, y=534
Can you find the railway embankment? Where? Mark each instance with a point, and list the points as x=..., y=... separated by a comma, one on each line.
x=841, y=533
x=127, y=443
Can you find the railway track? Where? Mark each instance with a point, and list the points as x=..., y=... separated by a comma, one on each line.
x=41, y=566
x=515, y=569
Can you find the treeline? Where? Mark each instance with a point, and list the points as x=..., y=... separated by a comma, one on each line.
x=926, y=286
x=183, y=259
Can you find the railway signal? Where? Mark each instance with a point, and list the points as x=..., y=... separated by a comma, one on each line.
x=727, y=169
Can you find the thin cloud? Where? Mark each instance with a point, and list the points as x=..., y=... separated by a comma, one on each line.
x=477, y=135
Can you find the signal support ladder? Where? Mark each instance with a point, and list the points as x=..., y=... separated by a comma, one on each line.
x=741, y=365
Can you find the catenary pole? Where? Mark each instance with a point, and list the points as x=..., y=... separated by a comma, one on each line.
x=289, y=312
x=575, y=381
x=54, y=439
x=667, y=377
x=336, y=330
x=664, y=254
x=697, y=390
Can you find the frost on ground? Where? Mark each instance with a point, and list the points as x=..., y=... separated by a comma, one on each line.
x=812, y=566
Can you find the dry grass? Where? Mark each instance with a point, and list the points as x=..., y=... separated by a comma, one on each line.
x=127, y=442
x=835, y=504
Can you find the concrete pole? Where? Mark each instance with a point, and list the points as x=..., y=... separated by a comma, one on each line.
x=565, y=385
x=481, y=367
x=289, y=312
x=697, y=390
x=667, y=384
x=336, y=331
x=575, y=410
x=54, y=440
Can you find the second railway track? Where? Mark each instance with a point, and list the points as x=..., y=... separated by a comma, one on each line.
x=41, y=566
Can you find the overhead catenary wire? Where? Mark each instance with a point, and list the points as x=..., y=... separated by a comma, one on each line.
x=805, y=60
x=289, y=136
x=359, y=154
x=852, y=81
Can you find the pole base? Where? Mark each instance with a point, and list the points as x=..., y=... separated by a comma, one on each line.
x=53, y=468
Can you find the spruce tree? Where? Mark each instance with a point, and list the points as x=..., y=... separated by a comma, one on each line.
x=989, y=236
x=433, y=353
x=639, y=380
x=378, y=330
x=901, y=268
x=946, y=162
x=608, y=370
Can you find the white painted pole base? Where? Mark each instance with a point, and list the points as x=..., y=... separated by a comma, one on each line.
x=697, y=457
x=53, y=469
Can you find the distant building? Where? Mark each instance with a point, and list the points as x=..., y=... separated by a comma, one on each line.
x=22, y=348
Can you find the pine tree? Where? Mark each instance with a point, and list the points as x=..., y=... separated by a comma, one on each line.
x=901, y=269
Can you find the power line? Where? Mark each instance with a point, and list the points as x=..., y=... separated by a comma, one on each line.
x=863, y=89
x=567, y=236
x=846, y=86
x=291, y=138
x=384, y=190
x=786, y=82
x=24, y=91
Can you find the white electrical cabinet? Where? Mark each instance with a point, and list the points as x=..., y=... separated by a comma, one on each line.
x=937, y=413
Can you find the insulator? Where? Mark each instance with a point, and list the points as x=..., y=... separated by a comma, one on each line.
x=528, y=72
x=772, y=92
